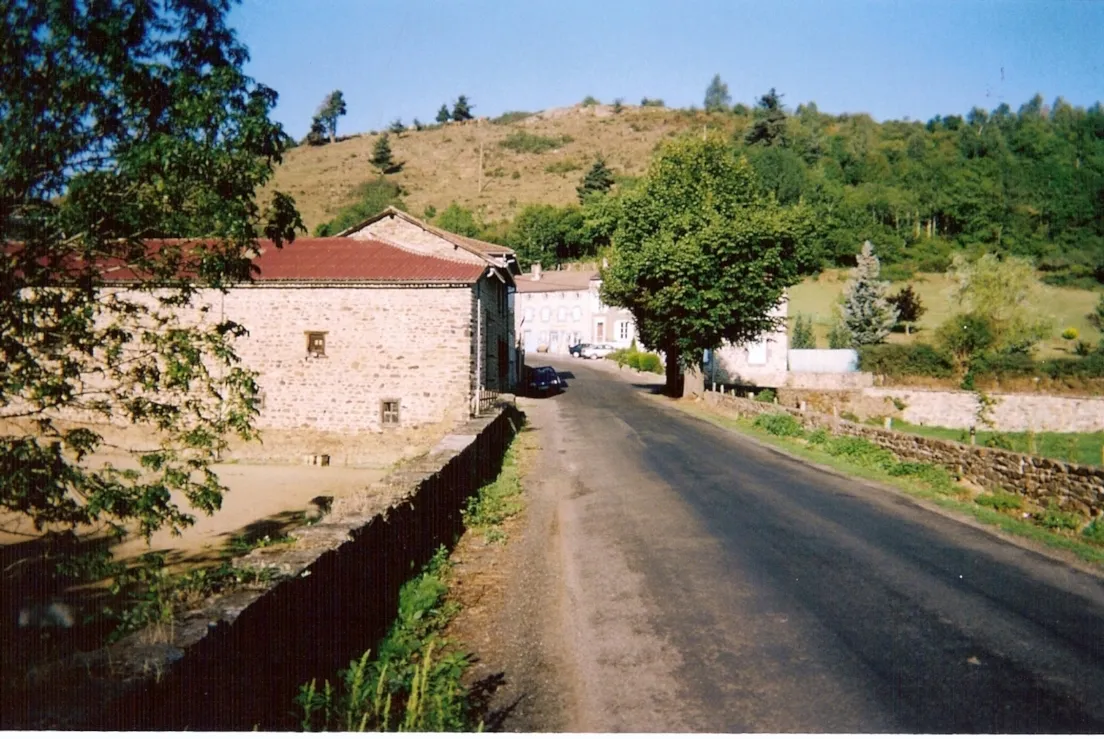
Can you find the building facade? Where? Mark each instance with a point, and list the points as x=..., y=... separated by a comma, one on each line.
x=555, y=310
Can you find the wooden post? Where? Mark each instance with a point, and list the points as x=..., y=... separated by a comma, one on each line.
x=973, y=436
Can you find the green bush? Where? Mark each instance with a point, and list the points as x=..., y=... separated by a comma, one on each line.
x=818, y=436
x=937, y=477
x=636, y=359
x=778, y=424
x=1094, y=531
x=1091, y=365
x=766, y=396
x=1000, y=501
x=902, y=360
x=1004, y=364
x=562, y=167
x=849, y=416
x=860, y=451
x=647, y=362
x=524, y=142
x=1054, y=518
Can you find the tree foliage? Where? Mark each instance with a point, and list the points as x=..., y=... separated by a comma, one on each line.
x=717, y=98
x=331, y=108
x=124, y=123
x=459, y=220
x=909, y=306
x=372, y=197
x=382, y=158
x=802, y=336
x=700, y=255
x=867, y=312
x=597, y=180
x=1006, y=294
x=461, y=109
x=769, y=126
x=443, y=115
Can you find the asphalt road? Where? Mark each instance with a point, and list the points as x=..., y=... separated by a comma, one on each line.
x=696, y=581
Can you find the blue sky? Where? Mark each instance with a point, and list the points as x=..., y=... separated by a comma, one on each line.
x=403, y=58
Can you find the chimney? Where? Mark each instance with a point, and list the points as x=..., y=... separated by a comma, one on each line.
x=536, y=271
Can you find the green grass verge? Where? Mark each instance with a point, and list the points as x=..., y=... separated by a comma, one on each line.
x=497, y=501
x=1081, y=448
x=853, y=456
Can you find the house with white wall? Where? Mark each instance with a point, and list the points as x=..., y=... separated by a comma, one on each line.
x=761, y=363
x=556, y=309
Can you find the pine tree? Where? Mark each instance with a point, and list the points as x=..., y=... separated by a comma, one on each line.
x=381, y=155
x=396, y=126
x=332, y=108
x=461, y=110
x=717, y=98
x=803, y=336
x=867, y=312
x=443, y=115
x=598, y=180
x=769, y=127
x=317, y=134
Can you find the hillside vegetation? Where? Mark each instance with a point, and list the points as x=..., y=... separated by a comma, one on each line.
x=1028, y=182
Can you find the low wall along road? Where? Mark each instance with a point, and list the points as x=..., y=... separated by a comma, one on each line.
x=1073, y=487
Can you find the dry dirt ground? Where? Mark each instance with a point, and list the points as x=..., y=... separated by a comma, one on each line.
x=262, y=500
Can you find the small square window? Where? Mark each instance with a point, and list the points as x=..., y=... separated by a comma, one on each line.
x=316, y=343
x=389, y=412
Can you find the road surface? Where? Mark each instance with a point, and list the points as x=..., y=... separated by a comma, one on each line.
x=678, y=577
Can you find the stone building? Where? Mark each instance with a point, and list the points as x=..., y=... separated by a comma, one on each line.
x=557, y=309
x=369, y=333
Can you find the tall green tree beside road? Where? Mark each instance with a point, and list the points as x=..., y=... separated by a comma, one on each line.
x=701, y=256
x=332, y=108
x=717, y=98
x=122, y=123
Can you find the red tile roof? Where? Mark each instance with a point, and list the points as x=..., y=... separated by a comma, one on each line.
x=338, y=258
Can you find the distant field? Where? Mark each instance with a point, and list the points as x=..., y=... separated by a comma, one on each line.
x=1067, y=307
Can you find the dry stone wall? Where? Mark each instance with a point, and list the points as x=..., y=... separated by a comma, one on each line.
x=1073, y=487
x=1013, y=412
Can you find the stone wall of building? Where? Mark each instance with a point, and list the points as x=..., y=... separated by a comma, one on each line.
x=412, y=345
x=395, y=230
x=492, y=339
x=1072, y=487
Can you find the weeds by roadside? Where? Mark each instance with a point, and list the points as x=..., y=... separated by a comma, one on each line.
x=413, y=683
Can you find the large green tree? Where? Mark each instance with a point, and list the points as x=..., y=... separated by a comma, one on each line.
x=122, y=123
x=701, y=255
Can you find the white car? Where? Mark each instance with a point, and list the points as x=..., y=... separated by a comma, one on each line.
x=597, y=351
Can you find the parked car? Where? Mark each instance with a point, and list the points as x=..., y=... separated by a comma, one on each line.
x=597, y=351
x=577, y=350
x=545, y=380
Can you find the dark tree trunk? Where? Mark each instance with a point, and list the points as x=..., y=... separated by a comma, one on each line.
x=673, y=388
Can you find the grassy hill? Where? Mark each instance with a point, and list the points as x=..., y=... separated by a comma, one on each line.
x=441, y=164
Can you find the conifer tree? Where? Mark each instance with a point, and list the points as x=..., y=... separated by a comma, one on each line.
x=461, y=110
x=802, y=336
x=381, y=155
x=598, y=180
x=867, y=312
x=443, y=115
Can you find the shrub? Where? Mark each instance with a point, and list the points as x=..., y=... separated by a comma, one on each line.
x=524, y=142
x=818, y=436
x=649, y=363
x=937, y=477
x=590, y=101
x=1082, y=349
x=1054, y=518
x=652, y=102
x=618, y=105
x=900, y=360
x=1000, y=501
x=766, y=396
x=802, y=336
x=839, y=337
x=510, y=116
x=849, y=416
x=860, y=451
x=1070, y=334
x=778, y=424
x=1091, y=365
x=1003, y=365
x=1094, y=531
x=965, y=337
x=562, y=167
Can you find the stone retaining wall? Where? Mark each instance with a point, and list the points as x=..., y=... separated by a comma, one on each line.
x=236, y=664
x=1073, y=487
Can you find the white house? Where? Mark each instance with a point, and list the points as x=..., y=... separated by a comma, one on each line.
x=557, y=309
